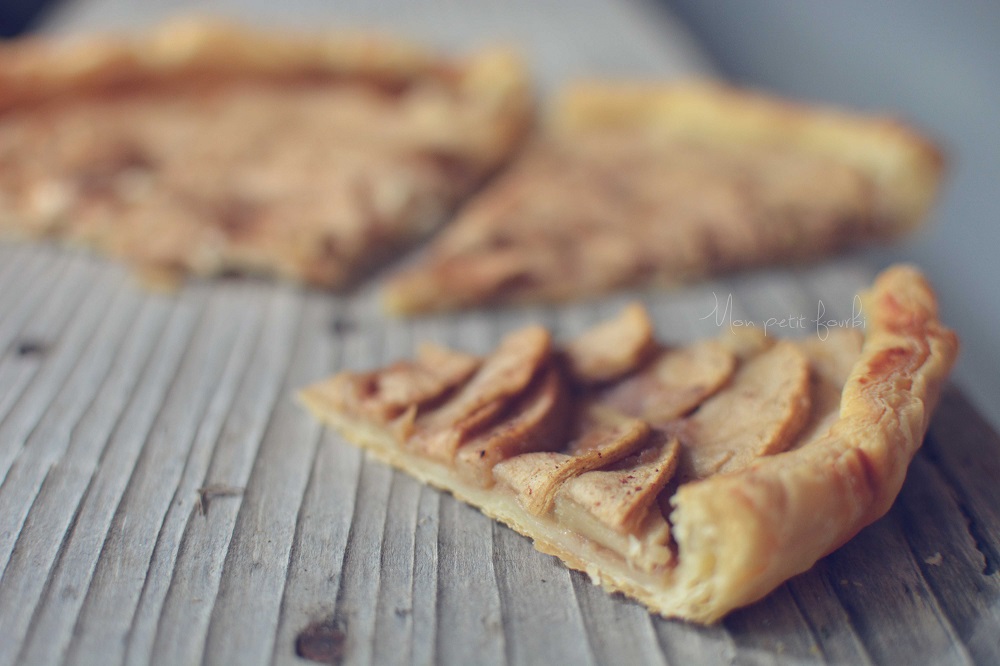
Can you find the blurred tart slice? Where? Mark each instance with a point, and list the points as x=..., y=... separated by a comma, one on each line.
x=206, y=147
x=645, y=185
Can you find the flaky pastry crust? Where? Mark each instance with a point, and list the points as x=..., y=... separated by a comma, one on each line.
x=904, y=164
x=742, y=535
x=37, y=69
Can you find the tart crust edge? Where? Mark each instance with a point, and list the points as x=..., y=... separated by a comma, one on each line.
x=905, y=166
x=741, y=535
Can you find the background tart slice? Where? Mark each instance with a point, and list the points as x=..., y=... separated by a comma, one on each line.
x=692, y=511
x=637, y=185
x=206, y=147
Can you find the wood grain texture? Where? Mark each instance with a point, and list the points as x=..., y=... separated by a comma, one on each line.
x=118, y=406
x=139, y=401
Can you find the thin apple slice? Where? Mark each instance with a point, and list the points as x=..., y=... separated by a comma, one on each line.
x=538, y=422
x=831, y=360
x=758, y=414
x=674, y=383
x=617, y=507
x=611, y=349
x=503, y=375
x=620, y=496
x=604, y=438
x=387, y=394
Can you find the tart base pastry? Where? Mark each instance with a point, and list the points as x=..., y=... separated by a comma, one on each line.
x=205, y=147
x=657, y=185
x=695, y=479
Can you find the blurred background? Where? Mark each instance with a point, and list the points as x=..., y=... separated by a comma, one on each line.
x=19, y=15
x=935, y=64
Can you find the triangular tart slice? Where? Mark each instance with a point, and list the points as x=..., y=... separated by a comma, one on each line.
x=206, y=147
x=656, y=184
x=694, y=478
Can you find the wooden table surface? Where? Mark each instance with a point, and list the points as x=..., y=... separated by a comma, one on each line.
x=164, y=499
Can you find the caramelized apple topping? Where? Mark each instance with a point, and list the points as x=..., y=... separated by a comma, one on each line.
x=606, y=209
x=831, y=361
x=676, y=382
x=537, y=423
x=502, y=377
x=612, y=349
x=759, y=414
x=603, y=438
x=621, y=495
x=387, y=394
x=745, y=343
x=590, y=436
x=617, y=508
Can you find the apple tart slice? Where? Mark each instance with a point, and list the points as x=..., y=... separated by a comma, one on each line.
x=203, y=147
x=693, y=478
x=652, y=185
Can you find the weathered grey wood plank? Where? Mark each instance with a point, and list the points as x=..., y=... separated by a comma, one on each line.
x=31, y=277
x=469, y=621
x=48, y=371
x=14, y=260
x=965, y=454
x=358, y=592
x=223, y=416
x=542, y=621
x=393, y=632
x=684, y=643
x=889, y=602
x=54, y=618
x=354, y=584
x=120, y=575
x=773, y=629
x=950, y=559
x=31, y=291
x=425, y=576
x=964, y=449
x=316, y=559
x=616, y=629
x=88, y=437
x=838, y=643
x=248, y=603
x=47, y=442
x=59, y=457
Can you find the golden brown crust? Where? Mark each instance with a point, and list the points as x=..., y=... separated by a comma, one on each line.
x=736, y=534
x=905, y=165
x=204, y=146
x=807, y=502
x=651, y=185
x=39, y=68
